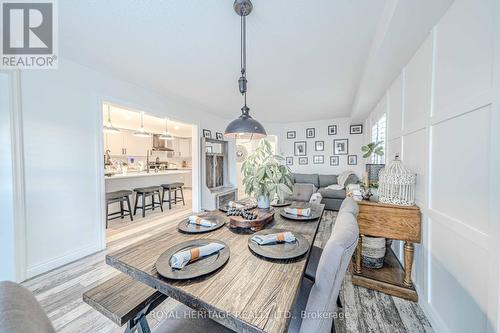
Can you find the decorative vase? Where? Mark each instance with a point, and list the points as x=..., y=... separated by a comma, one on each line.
x=263, y=201
x=372, y=252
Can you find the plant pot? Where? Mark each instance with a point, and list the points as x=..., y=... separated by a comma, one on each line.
x=372, y=252
x=263, y=201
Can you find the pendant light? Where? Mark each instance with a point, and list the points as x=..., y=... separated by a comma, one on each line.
x=109, y=128
x=244, y=127
x=141, y=132
x=167, y=135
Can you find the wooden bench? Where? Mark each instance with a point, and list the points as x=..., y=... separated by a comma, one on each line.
x=125, y=301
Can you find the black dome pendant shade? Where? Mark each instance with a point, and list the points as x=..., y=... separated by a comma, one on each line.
x=244, y=127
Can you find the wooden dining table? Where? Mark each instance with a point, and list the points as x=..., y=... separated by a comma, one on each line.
x=248, y=294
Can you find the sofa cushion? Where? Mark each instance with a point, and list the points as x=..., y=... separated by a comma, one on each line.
x=326, y=180
x=306, y=178
x=332, y=194
x=301, y=192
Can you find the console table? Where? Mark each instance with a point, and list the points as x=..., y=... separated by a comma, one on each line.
x=393, y=222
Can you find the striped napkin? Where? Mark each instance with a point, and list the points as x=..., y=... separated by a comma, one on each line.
x=232, y=204
x=181, y=259
x=282, y=237
x=298, y=211
x=193, y=219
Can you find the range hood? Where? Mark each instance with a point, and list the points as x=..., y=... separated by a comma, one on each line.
x=159, y=144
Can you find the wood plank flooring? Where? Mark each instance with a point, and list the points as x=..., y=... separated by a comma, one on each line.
x=60, y=291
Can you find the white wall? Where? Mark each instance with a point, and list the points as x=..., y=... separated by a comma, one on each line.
x=443, y=117
x=7, y=231
x=285, y=146
x=63, y=156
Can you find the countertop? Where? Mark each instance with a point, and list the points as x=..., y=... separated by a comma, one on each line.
x=150, y=174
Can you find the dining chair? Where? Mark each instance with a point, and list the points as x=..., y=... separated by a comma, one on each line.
x=20, y=312
x=332, y=268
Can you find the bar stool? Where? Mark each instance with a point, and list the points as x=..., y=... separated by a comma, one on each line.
x=173, y=187
x=145, y=192
x=121, y=197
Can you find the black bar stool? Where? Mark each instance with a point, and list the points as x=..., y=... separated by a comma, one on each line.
x=173, y=187
x=145, y=192
x=121, y=197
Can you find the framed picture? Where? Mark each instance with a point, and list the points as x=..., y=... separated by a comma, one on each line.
x=289, y=160
x=341, y=147
x=318, y=159
x=352, y=159
x=219, y=136
x=291, y=135
x=300, y=148
x=334, y=160
x=356, y=129
x=207, y=133
x=332, y=130
x=319, y=145
x=310, y=133
x=302, y=160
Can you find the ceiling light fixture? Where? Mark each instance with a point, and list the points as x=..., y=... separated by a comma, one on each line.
x=109, y=128
x=244, y=127
x=141, y=132
x=167, y=135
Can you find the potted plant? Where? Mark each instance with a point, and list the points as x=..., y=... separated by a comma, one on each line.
x=265, y=175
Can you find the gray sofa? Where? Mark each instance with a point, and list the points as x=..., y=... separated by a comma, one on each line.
x=331, y=198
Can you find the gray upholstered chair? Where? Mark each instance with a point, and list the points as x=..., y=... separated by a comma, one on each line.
x=332, y=267
x=20, y=312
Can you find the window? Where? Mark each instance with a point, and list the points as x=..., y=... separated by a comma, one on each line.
x=378, y=134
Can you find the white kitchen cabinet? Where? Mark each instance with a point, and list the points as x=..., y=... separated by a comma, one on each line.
x=126, y=144
x=114, y=142
x=184, y=146
x=136, y=146
x=188, y=179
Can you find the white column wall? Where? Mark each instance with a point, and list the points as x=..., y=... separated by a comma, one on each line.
x=443, y=118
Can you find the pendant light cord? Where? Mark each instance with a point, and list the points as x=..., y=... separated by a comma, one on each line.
x=243, y=55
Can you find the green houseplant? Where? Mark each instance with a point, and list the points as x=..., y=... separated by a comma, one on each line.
x=266, y=175
x=372, y=148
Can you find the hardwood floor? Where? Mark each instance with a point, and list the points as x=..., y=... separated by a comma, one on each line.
x=60, y=291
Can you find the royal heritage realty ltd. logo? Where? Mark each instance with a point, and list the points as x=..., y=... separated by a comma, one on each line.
x=29, y=34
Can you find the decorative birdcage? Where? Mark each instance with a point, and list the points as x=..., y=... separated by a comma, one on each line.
x=397, y=184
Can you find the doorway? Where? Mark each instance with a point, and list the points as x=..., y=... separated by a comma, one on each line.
x=142, y=150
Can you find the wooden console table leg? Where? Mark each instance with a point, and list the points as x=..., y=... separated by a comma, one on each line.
x=408, y=249
x=357, y=258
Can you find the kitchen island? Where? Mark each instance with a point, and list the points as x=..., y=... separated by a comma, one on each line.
x=131, y=180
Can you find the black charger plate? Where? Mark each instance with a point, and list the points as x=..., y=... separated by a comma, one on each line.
x=201, y=267
x=281, y=251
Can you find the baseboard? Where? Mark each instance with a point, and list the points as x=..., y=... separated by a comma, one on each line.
x=63, y=260
x=434, y=318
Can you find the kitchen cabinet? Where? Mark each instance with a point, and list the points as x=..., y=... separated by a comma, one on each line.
x=126, y=144
x=184, y=147
x=114, y=142
x=181, y=147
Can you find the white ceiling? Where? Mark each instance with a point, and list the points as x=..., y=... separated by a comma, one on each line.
x=124, y=118
x=307, y=60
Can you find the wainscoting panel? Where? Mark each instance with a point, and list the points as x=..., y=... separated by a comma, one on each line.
x=458, y=279
x=417, y=94
x=460, y=165
x=395, y=108
x=464, y=39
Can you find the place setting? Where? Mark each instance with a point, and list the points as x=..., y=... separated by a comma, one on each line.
x=195, y=224
x=278, y=244
x=192, y=259
x=300, y=213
